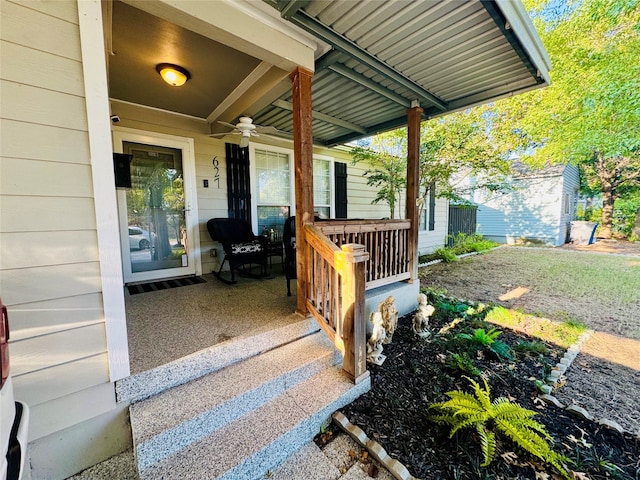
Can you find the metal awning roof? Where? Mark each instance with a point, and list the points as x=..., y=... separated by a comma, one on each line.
x=447, y=55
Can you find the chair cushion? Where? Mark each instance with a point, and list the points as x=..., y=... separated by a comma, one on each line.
x=249, y=247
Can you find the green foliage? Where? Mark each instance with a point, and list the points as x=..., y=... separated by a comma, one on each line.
x=386, y=157
x=531, y=347
x=589, y=115
x=446, y=255
x=456, y=147
x=624, y=215
x=462, y=363
x=462, y=244
x=489, y=340
x=500, y=417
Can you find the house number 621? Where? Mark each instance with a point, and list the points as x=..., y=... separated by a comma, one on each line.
x=216, y=171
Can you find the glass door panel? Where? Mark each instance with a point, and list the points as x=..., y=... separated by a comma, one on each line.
x=155, y=211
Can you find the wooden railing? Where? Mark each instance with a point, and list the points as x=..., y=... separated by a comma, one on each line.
x=387, y=242
x=335, y=297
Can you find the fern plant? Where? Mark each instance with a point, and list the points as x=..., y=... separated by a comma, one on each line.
x=462, y=363
x=498, y=417
x=489, y=340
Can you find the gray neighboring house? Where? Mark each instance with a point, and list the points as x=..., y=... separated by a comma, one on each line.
x=538, y=209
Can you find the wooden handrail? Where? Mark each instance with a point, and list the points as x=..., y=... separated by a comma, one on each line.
x=335, y=296
x=387, y=241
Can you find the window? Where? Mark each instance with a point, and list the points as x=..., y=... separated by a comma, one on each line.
x=322, y=187
x=273, y=189
x=567, y=204
x=427, y=217
x=274, y=193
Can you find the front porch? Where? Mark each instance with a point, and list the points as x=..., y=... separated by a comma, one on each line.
x=215, y=366
x=167, y=325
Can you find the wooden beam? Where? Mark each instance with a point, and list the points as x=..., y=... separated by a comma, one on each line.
x=303, y=163
x=414, y=117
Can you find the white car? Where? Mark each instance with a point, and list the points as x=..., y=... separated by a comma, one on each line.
x=14, y=423
x=139, y=239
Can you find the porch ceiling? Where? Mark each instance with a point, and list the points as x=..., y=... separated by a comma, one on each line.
x=373, y=59
x=447, y=55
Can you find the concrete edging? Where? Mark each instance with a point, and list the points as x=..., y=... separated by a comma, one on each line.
x=554, y=378
x=397, y=469
x=470, y=254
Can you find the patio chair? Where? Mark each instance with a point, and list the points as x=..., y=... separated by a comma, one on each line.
x=241, y=247
x=289, y=240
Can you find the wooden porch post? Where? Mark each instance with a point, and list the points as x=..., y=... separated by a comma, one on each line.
x=414, y=117
x=303, y=153
x=354, y=327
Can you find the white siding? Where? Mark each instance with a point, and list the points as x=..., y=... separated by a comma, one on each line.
x=531, y=211
x=430, y=240
x=50, y=276
x=570, y=187
x=360, y=195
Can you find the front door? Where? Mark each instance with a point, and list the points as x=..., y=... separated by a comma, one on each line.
x=156, y=226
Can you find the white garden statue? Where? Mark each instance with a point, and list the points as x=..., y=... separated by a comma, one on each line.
x=374, y=344
x=421, y=318
x=389, y=314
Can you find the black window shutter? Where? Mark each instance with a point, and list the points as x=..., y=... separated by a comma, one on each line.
x=432, y=206
x=238, y=186
x=340, y=173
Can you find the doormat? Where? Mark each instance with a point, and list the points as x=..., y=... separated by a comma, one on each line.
x=164, y=284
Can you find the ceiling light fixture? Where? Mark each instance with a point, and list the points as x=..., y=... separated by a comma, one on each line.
x=174, y=75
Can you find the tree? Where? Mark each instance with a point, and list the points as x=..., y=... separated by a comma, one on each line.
x=457, y=147
x=452, y=149
x=590, y=114
x=386, y=155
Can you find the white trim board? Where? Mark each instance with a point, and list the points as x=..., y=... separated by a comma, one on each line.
x=187, y=146
x=99, y=132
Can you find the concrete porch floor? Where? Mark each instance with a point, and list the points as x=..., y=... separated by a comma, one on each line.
x=165, y=325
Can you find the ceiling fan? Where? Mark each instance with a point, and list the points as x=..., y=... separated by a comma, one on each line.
x=248, y=129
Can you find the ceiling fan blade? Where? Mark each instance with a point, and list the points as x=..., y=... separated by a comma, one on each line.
x=274, y=132
x=269, y=130
x=230, y=125
x=220, y=135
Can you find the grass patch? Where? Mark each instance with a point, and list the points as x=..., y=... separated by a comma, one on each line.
x=575, y=275
x=563, y=333
x=601, y=291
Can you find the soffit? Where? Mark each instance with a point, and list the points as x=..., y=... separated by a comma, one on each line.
x=446, y=55
x=140, y=41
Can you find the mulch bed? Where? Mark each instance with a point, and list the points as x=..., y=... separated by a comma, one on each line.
x=415, y=374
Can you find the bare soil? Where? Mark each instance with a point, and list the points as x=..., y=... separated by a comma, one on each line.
x=605, y=377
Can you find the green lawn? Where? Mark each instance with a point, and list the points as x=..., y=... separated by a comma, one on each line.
x=602, y=291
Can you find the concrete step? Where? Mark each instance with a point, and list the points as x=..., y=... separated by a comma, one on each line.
x=151, y=382
x=174, y=419
x=252, y=444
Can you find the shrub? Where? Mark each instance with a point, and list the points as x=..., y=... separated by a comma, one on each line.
x=498, y=417
x=462, y=244
x=446, y=255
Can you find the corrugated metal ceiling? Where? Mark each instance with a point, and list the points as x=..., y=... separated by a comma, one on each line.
x=448, y=55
